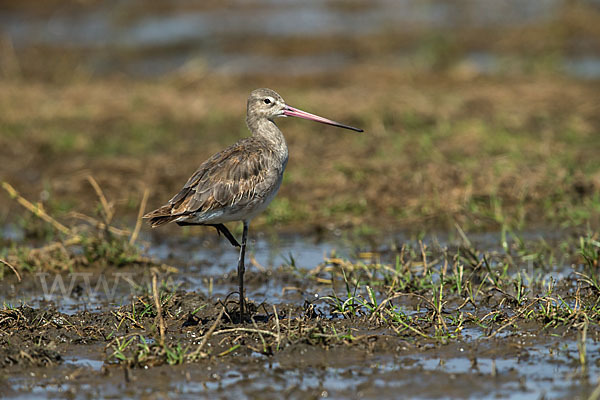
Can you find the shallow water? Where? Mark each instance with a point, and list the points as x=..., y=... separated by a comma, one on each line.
x=514, y=364
x=199, y=262
x=543, y=370
x=208, y=265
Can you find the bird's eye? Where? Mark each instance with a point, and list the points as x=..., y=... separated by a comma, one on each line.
x=267, y=101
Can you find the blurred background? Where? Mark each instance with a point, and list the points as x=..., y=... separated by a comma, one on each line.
x=482, y=113
x=145, y=39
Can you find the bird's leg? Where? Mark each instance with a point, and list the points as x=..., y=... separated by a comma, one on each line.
x=223, y=229
x=242, y=269
x=220, y=229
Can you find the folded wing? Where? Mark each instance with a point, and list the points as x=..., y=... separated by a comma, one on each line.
x=230, y=177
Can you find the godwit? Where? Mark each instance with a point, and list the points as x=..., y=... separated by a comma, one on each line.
x=239, y=182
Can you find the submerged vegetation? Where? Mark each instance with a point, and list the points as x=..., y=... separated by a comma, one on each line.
x=426, y=295
x=411, y=299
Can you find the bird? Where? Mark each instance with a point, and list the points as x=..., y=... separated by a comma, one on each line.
x=239, y=182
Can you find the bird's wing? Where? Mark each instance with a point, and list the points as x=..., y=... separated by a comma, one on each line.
x=229, y=177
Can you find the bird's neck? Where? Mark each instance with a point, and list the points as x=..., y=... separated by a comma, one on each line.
x=267, y=130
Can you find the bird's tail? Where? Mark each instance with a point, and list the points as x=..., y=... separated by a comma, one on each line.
x=160, y=216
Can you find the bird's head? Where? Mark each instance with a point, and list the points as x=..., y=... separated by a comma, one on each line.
x=268, y=104
x=265, y=103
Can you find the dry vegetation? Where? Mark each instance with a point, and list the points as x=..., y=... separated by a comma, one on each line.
x=437, y=150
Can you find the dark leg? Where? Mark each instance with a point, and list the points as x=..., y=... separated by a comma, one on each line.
x=220, y=229
x=223, y=229
x=242, y=269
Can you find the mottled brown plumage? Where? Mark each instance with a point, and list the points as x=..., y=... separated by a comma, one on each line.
x=228, y=180
x=239, y=182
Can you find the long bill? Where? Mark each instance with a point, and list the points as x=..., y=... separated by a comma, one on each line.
x=294, y=112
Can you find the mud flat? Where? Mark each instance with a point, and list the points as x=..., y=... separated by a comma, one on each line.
x=467, y=317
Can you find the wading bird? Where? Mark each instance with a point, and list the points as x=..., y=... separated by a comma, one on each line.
x=239, y=182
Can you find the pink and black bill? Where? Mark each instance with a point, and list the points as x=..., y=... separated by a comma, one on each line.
x=294, y=112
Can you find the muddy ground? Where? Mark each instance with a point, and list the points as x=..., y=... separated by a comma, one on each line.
x=427, y=319
x=64, y=356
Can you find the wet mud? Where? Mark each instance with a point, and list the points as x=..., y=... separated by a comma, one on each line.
x=325, y=331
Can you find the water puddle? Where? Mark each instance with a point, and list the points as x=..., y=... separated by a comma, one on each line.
x=516, y=363
x=204, y=266
x=82, y=362
x=209, y=266
x=547, y=369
